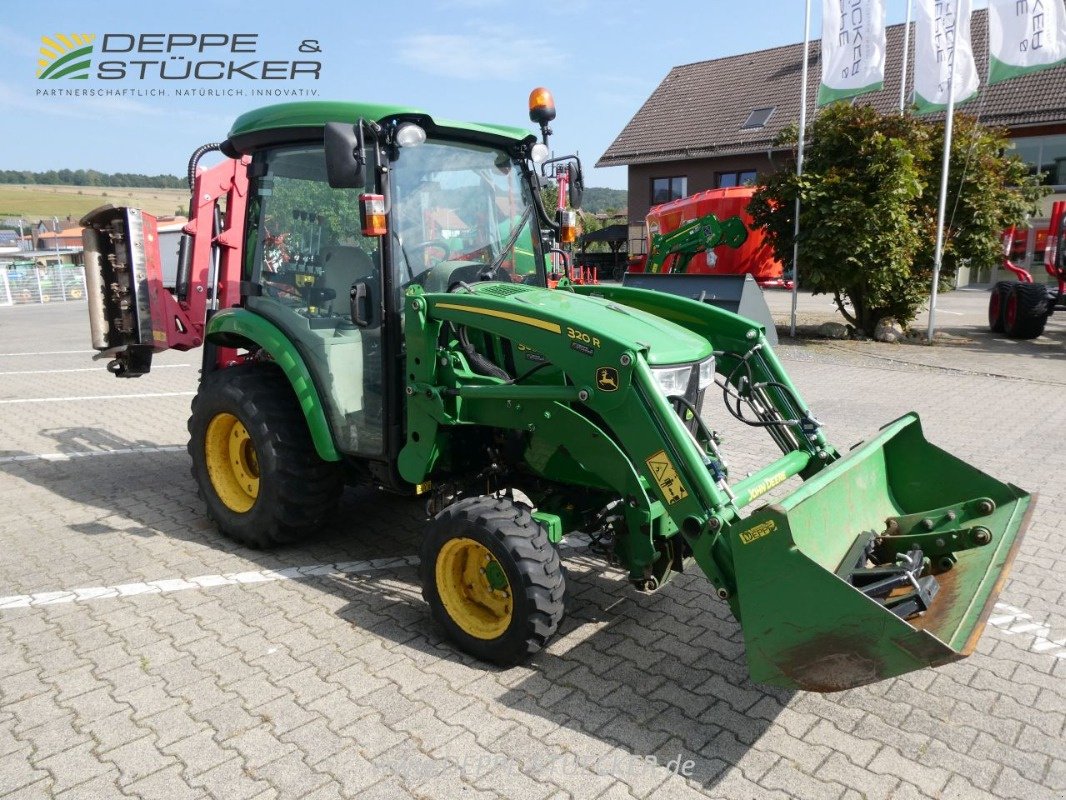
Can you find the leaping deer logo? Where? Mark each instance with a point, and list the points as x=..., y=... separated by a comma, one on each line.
x=607, y=379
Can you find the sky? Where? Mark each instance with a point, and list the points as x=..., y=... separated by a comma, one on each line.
x=463, y=59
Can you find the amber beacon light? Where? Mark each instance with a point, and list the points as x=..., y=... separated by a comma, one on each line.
x=541, y=106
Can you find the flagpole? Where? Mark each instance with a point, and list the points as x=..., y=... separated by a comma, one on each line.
x=906, y=54
x=799, y=163
x=938, y=257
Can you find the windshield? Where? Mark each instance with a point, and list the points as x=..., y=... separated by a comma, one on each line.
x=461, y=212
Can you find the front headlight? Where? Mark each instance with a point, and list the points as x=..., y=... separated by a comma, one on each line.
x=672, y=381
x=706, y=372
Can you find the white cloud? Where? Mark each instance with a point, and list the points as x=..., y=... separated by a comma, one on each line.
x=20, y=45
x=622, y=91
x=80, y=107
x=484, y=53
x=482, y=4
x=24, y=98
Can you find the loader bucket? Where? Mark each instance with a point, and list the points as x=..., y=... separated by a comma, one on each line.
x=739, y=294
x=824, y=608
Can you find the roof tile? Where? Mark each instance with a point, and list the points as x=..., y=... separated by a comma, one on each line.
x=698, y=109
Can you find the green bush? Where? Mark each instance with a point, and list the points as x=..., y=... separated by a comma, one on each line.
x=868, y=214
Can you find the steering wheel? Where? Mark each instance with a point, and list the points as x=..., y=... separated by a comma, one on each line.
x=440, y=244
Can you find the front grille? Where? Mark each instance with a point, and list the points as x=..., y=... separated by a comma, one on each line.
x=502, y=289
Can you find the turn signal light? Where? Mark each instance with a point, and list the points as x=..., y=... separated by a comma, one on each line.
x=372, y=214
x=541, y=106
x=567, y=226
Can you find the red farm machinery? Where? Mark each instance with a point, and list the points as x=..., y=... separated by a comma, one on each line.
x=1021, y=308
x=704, y=247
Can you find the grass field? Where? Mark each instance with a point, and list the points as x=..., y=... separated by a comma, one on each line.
x=36, y=202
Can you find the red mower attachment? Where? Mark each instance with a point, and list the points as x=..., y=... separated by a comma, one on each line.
x=132, y=315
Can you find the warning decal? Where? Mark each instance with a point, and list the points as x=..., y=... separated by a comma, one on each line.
x=662, y=469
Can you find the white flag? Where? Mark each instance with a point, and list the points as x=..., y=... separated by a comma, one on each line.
x=853, y=48
x=942, y=47
x=1025, y=36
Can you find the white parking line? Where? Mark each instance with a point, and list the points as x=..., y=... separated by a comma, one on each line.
x=1014, y=621
x=49, y=353
x=97, y=397
x=86, y=594
x=101, y=370
x=203, y=582
x=120, y=451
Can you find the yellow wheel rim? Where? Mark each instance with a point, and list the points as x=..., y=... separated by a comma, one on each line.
x=232, y=463
x=474, y=588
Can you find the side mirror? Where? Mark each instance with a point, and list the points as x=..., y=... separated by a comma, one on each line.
x=576, y=183
x=1061, y=255
x=345, y=155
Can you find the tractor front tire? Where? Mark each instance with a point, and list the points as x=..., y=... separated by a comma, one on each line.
x=997, y=302
x=1026, y=311
x=492, y=579
x=253, y=460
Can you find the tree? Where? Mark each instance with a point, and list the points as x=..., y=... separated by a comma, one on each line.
x=869, y=196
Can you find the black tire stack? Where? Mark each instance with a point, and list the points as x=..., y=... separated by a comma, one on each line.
x=1019, y=310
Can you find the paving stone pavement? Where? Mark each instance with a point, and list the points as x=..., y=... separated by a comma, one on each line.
x=158, y=681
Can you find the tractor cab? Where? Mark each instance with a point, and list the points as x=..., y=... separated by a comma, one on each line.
x=334, y=248
x=343, y=218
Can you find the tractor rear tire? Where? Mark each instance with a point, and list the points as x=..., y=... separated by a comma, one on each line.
x=253, y=460
x=492, y=579
x=997, y=302
x=1026, y=311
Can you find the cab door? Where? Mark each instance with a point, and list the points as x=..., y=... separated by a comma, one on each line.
x=312, y=270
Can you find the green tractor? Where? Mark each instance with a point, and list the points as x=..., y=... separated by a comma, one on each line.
x=368, y=285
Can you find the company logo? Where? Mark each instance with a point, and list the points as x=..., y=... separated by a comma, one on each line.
x=759, y=531
x=65, y=56
x=175, y=57
x=607, y=379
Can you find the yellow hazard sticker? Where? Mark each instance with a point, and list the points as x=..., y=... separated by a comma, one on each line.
x=759, y=531
x=662, y=469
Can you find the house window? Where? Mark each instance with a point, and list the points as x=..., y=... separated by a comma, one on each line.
x=663, y=190
x=724, y=180
x=1046, y=156
x=758, y=118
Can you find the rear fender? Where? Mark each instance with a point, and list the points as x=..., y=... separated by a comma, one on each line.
x=238, y=327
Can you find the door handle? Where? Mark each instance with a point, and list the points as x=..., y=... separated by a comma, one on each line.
x=360, y=298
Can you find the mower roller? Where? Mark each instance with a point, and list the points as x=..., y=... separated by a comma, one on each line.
x=423, y=353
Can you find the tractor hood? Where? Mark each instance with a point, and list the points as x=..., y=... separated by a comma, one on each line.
x=588, y=315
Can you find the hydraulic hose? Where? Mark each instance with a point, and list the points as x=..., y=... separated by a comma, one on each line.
x=194, y=159
x=479, y=363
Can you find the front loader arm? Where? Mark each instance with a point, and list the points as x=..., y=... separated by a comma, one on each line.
x=693, y=237
x=883, y=561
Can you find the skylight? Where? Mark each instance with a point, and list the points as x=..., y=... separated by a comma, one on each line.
x=759, y=117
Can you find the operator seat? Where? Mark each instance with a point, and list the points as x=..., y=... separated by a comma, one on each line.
x=342, y=266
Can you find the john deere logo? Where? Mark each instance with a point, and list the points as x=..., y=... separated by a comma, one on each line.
x=607, y=379
x=65, y=56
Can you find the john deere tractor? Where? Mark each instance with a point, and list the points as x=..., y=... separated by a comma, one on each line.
x=368, y=285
